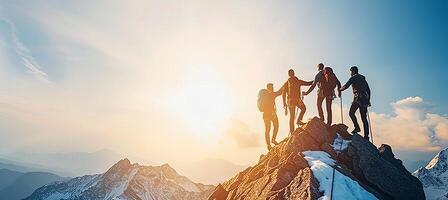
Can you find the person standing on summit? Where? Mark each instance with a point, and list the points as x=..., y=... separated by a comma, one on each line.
x=361, y=101
x=291, y=89
x=318, y=80
x=266, y=105
x=326, y=92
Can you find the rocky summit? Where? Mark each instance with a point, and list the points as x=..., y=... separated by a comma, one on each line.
x=301, y=167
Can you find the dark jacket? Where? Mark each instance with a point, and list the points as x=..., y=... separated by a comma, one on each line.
x=358, y=83
x=360, y=87
x=318, y=79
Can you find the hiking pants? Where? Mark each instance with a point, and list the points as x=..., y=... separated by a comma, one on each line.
x=268, y=118
x=328, y=101
x=292, y=105
x=363, y=111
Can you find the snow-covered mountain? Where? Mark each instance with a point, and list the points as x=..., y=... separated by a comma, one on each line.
x=126, y=181
x=434, y=176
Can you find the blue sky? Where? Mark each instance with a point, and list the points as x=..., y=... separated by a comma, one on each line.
x=106, y=70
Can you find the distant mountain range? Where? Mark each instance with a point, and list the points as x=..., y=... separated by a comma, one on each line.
x=16, y=185
x=68, y=164
x=26, y=167
x=208, y=171
x=126, y=181
x=434, y=177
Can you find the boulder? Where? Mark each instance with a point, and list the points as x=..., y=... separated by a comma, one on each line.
x=382, y=171
x=316, y=128
x=341, y=129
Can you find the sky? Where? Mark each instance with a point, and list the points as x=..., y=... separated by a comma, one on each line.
x=178, y=80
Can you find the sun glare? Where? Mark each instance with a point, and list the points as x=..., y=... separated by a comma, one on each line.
x=203, y=102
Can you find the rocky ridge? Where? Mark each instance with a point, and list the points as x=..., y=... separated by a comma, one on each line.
x=289, y=170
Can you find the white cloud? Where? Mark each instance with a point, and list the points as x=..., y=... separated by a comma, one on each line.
x=411, y=127
x=28, y=60
x=409, y=101
x=240, y=132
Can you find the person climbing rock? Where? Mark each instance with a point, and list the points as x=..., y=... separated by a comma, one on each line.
x=266, y=104
x=318, y=79
x=326, y=92
x=361, y=100
x=291, y=90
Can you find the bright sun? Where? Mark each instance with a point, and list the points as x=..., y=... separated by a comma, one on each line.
x=203, y=102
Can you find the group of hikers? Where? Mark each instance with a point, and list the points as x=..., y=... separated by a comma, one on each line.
x=326, y=82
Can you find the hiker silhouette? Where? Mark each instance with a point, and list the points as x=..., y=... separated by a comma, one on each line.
x=291, y=93
x=326, y=81
x=361, y=100
x=266, y=105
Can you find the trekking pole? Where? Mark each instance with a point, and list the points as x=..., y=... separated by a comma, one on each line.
x=334, y=167
x=340, y=147
x=370, y=125
x=342, y=112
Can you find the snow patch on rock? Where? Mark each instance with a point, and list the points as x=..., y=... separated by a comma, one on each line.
x=338, y=142
x=344, y=187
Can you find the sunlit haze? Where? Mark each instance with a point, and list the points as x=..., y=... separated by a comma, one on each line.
x=177, y=81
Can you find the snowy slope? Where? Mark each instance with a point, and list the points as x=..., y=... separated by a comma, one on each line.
x=344, y=187
x=125, y=181
x=434, y=176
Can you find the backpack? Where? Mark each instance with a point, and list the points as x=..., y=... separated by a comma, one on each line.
x=262, y=102
x=330, y=83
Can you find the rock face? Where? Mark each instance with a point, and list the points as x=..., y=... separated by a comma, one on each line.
x=380, y=170
x=284, y=173
x=434, y=176
x=126, y=181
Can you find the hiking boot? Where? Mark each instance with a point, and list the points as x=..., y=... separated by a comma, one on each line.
x=356, y=130
x=274, y=142
x=300, y=123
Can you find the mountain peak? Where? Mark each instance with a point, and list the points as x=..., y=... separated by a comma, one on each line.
x=301, y=166
x=121, y=166
x=434, y=176
x=126, y=181
x=124, y=163
x=440, y=161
